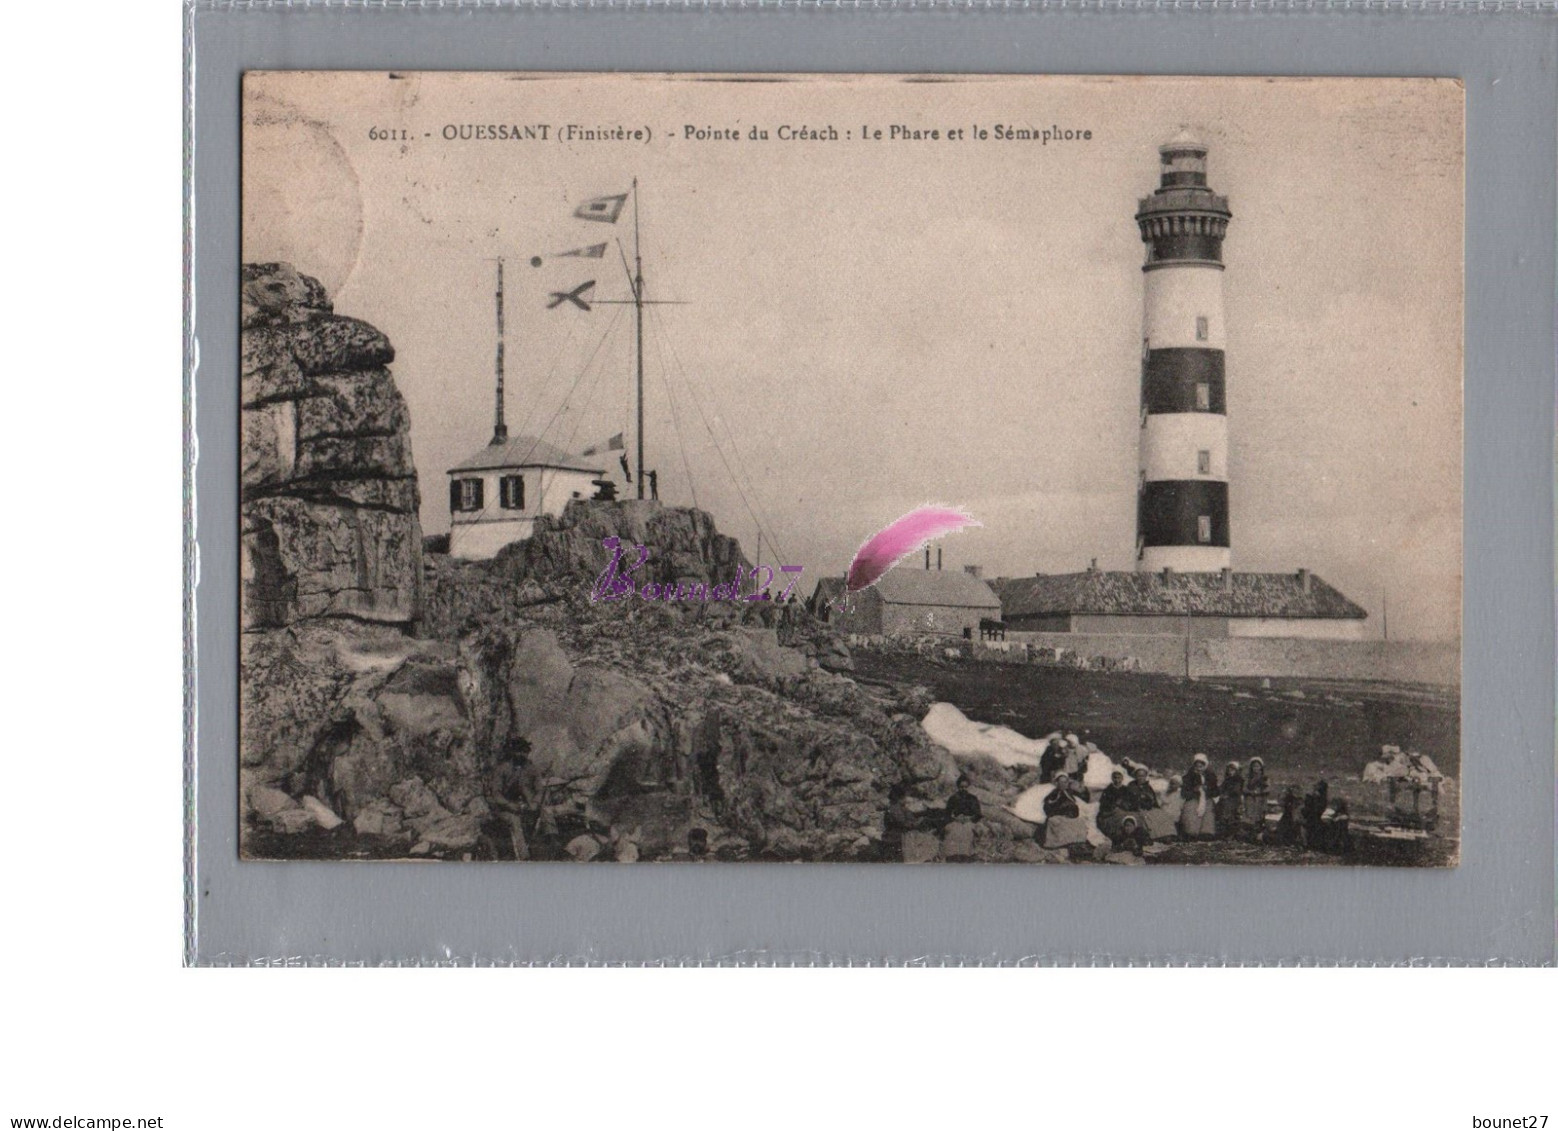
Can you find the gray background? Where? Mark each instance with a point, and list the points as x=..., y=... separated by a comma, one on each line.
x=1498, y=906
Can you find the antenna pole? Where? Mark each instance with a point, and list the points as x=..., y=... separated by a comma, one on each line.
x=500, y=428
x=638, y=317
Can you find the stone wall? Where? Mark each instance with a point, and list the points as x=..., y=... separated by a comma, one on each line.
x=1401, y=661
x=1163, y=654
x=328, y=491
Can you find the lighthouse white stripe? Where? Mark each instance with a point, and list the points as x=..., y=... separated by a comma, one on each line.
x=1175, y=298
x=1171, y=444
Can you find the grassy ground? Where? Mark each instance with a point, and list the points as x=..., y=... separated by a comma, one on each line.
x=1304, y=729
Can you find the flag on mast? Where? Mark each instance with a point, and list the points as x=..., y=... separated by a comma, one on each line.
x=577, y=297
x=594, y=251
x=605, y=209
x=615, y=444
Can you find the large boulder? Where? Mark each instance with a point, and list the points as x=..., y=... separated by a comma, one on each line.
x=352, y=723
x=328, y=489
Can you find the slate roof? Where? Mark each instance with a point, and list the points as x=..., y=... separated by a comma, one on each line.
x=1181, y=594
x=525, y=451
x=901, y=586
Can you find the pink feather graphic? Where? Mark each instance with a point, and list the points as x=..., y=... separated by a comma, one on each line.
x=898, y=540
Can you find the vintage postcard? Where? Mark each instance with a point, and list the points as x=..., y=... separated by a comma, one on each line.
x=1049, y=470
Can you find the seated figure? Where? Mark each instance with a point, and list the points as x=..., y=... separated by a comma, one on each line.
x=1064, y=824
x=1114, y=805
x=1158, y=821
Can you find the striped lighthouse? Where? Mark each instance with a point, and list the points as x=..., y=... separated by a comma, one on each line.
x=1182, y=505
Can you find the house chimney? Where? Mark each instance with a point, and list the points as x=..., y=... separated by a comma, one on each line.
x=1092, y=566
x=974, y=571
x=938, y=559
x=1227, y=578
x=1303, y=580
x=1168, y=574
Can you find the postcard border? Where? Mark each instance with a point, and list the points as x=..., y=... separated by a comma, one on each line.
x=1496, y=907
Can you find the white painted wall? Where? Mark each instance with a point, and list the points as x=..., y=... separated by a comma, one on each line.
x=481, y=540
x=1316, y=629
x=481, y=534
x=1185, y=559
x=1170, y=442
x=1175, y=297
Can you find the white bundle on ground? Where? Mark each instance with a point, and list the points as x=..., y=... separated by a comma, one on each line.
x=1100, y=769
x=1397, y=764
x=1030, y=803
x=963, y=736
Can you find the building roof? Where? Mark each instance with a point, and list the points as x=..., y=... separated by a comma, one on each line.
x=1184, y=139
x=525, y=451
x=1122, y=593
x=901, y=586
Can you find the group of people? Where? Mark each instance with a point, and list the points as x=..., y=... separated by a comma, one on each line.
x=1197, y=804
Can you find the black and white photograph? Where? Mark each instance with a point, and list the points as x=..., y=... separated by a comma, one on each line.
x=687, y=468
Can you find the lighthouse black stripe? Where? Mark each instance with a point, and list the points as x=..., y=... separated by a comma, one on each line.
x=1171, y=510
x=1170, y=377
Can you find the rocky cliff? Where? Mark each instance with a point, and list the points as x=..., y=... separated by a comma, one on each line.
x=644, y=719
x=328, y=491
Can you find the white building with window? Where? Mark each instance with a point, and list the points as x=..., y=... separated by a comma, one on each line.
x=496, y=494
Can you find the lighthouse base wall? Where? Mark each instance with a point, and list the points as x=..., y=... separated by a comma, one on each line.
x=1185, y=559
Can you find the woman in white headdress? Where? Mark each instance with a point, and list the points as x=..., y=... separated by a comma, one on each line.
x=1198, y=798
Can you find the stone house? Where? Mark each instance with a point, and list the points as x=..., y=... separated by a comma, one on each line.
x=909, y=601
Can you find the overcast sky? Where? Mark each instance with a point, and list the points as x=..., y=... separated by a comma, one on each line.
x=869, y=325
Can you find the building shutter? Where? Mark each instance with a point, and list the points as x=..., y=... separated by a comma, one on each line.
x=511, y=489
x=454, y=495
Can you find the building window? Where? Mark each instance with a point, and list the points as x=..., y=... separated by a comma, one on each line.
x=1203, y=397
x=1204, y=528
x=465, y=495
x=511, y=492
x=1201, y=328
x=1203, y=462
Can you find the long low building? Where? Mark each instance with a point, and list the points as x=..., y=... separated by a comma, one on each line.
x=908, y=601
x=1170, y=603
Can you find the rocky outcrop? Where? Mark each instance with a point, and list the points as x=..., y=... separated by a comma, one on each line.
x=376, y=700
x=643, y=719
x=328, y=489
